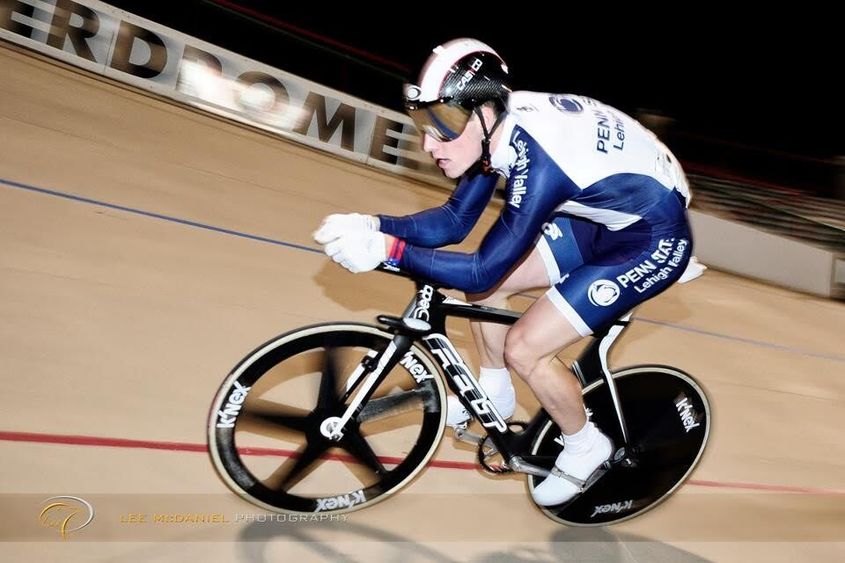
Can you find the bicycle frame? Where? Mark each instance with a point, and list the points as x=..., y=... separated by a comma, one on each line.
x=424, y=320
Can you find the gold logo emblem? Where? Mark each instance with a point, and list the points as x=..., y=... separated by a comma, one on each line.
x=66, y=514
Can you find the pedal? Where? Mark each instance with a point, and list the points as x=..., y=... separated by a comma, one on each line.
x=582, y=485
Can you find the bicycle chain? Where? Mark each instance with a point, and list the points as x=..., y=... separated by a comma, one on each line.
x=483, y=455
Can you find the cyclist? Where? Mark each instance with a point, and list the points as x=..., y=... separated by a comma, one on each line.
x=595, y=210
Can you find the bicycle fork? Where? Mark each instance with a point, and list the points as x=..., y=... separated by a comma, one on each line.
x=375, y=366
x=372, y=369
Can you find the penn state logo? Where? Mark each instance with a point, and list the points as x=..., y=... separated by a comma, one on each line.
x=566, y=103
x=603, y=293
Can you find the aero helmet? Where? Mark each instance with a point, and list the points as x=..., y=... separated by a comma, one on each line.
x=458, y=78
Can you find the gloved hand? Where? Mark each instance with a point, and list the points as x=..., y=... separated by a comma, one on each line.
x=338, y=224
x=358, y=251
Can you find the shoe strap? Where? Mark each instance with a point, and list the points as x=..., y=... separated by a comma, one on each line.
x=557, y=472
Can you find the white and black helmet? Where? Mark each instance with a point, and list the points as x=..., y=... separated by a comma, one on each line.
x=458, y=77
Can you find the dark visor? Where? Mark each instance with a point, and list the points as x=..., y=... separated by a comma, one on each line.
x=441, y=119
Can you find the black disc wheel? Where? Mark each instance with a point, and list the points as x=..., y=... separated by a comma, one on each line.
x=668, y=421
x=269, y=422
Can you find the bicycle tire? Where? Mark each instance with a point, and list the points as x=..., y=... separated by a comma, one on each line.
x=261, y=406
x=668, y=418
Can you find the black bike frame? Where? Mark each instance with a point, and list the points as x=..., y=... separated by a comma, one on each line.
x=425, y=320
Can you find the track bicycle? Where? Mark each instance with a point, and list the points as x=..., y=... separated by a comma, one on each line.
x=356, y=411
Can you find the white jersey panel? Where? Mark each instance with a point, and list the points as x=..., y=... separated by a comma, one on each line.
x=591, y=141
x=613, y=220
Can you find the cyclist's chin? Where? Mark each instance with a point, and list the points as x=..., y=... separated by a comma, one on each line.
x=452, y=169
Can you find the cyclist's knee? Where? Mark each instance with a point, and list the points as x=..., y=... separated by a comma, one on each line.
x=519, y=356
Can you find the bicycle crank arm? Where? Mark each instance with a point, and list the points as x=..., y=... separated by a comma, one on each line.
x=521, y=466
x=462, y=434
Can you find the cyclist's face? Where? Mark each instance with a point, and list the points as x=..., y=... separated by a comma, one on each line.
x=456, y=156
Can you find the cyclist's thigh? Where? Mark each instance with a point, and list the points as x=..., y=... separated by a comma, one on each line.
x=565, y=245
x=528, y=273
x=625, y=270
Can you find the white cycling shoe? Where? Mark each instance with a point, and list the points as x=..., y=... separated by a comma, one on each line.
x=572, y=472
x=503, y=399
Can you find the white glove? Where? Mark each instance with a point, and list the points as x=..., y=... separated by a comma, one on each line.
x=338, y=224
x=358, y=251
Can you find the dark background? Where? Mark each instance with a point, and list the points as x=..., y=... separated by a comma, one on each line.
x=749, y=94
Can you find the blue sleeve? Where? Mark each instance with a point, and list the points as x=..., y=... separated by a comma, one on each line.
x=448, y=224
x=535, y=188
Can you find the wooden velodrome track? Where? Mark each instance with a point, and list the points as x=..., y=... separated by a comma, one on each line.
x=119, y=321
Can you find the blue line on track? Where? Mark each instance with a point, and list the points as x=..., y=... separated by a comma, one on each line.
x=72, y=197
x=170, y=218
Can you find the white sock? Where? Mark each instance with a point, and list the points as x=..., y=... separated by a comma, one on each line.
x=582, y=440
x=495, y=380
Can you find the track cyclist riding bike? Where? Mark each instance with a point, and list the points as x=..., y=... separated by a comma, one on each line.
x=595, y=210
